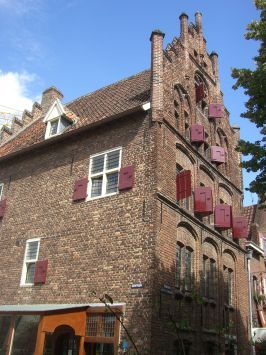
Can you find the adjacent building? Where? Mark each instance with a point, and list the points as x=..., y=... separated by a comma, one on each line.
x=125, y=206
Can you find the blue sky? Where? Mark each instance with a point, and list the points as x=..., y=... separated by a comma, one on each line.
x=81, y=45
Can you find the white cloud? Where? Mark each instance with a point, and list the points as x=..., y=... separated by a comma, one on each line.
x=14, y=93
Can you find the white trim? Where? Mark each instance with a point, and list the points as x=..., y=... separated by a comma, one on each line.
x=59, y=107
x=1, y=190
x=48, y=128
x=146, y=106
x=103, y=173
x=254, y=246
x=24, y=267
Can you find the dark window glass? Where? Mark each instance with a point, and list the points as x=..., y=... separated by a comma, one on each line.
x=112, y=183
x=188, y=269
x=230, y=286
x=101, y=325
x=178, y=265
x=98, y=349
x=25, y=335
x=30, y=273
x=113, y=160
x=212, y=281
x=96, y=186
x=54, y=127
x=5, y=322
x=204, y=276
x=97, y=164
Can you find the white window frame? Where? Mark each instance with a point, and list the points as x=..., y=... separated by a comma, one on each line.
x=48, y=128
x=25, y=262
x=103, y=173
x=1, y=190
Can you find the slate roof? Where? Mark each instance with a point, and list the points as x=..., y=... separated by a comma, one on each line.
x=113, y=99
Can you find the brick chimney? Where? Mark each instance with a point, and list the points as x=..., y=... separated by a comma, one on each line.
x=215, y=70
x=183, y=27
x=198, y=20
x=157, y=75
x=48, y=98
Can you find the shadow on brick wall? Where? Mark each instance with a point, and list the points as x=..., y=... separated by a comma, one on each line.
x=190, y=315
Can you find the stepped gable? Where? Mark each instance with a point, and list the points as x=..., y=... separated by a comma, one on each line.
x=108, y=101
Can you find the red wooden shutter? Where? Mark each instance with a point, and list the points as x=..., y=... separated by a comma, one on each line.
x=40, y=272
x=126, y=178
x=215, y=110
x=2, y=208
x=199, y=92
x=240, y=227
x=223, y=216
x=183, y=185
x=80, y=189
x=203, y=203
x=197, y=133
x=217, y=154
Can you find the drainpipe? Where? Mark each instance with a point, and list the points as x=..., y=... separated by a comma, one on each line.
x=249, y=257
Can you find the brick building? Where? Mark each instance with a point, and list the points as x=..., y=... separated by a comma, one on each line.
x=256, y=247
x=133, y=191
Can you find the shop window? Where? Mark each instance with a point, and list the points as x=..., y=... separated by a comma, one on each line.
x=5, y=323
x=25, y=334
x=101, y=325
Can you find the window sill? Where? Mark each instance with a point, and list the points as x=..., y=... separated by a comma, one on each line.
x=26, y=285
x=102, y=196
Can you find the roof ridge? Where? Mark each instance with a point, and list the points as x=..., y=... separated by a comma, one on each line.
x=108, y=86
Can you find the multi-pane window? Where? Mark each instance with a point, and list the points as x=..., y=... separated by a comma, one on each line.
x=30, y=259
x=208, y=277
x=178, y=264
x=188, y=269
x=228, y=285
x=1, y=190
x=184, y=268
x=205, y=276
x=104, y=170
x=212, y=280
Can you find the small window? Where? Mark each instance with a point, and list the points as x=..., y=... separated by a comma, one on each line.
x=30, y=259
x=1, y=190
x=104, y=170
x=54, y=127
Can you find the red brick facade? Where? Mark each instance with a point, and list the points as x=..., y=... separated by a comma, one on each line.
x=182, y=281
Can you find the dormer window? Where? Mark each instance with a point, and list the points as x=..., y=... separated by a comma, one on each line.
x=57, y=119
x=54, y=127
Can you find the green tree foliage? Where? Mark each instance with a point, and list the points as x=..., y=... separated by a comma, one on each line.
x=254, y=84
